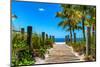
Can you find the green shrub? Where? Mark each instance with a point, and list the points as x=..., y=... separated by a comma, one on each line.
x=22, y=56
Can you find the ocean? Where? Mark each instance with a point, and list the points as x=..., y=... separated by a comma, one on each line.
x=59, y=39
x=63, y=39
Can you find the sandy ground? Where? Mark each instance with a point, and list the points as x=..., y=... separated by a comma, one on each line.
x=58, y=54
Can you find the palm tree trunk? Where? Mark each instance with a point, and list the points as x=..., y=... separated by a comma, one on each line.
x=70, y=34
x=88, y=42
x=93, y=30
x=74, y=34
x=70, y=31
x=83, y=28
x=74, y=37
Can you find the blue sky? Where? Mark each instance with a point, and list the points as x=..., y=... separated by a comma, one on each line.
x=41, y=16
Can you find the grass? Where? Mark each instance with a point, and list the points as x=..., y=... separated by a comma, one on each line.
x=80, y=48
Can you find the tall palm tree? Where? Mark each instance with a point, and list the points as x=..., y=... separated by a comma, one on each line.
x=67, y=26
x=89, y=23
x=65, y=14
x=83, y=9
x=70, y=18
x=93, y=20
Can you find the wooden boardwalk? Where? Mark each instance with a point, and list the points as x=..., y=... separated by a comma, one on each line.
x=61, y=53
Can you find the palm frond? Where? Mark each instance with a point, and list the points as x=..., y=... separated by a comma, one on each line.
x=63, y=24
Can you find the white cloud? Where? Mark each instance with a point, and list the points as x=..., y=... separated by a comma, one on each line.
x=41, y=9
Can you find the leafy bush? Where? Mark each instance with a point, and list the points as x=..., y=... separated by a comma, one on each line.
x=20, y=56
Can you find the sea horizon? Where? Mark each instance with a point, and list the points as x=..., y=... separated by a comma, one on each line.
x=63, y=39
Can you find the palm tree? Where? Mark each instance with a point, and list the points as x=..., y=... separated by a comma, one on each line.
x=93, y=19
x=89, y=23
x=82, y=9
x=70, y=18
x=86, y=10
x=67, y=26
x=75, y=27
x=72, y=14
x=65, y=15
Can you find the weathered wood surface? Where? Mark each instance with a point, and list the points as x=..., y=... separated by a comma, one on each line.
x=61, y=53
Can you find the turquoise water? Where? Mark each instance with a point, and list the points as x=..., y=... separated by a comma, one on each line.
x=59, y=39
x=63, y=39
